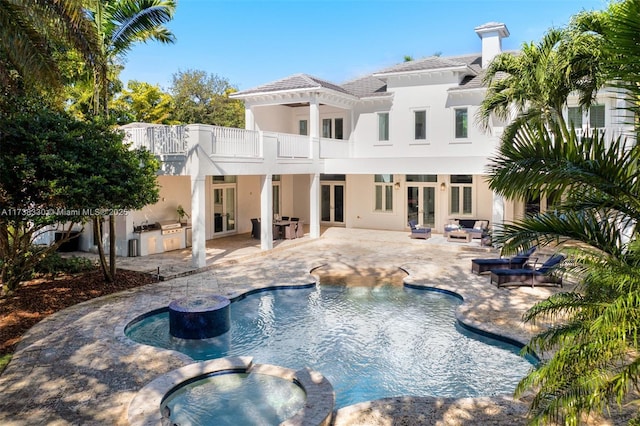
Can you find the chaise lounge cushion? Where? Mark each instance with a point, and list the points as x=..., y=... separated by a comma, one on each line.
x=542, y=275
x=479, y=266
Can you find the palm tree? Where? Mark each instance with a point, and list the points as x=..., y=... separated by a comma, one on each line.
x=120, y=25
x=536, y=82
x=29, y=31
x=595, y=360
x=594, y=341
x=123, y=23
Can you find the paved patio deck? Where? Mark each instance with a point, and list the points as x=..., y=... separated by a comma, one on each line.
x=77, y=367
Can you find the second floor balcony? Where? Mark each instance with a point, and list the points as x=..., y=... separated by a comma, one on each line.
x=226, y=142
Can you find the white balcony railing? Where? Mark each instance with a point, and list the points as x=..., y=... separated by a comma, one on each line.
x=231, y=142
x=293, y=146
x=158, y=139
x=334, y=148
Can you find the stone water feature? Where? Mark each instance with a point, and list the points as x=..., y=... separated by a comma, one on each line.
x=199, y=317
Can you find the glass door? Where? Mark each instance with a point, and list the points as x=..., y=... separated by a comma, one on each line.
x=421, y=205
x=332, y=203
x=224, y=209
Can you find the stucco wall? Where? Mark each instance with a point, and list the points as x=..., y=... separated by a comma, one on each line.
x=174, y=190
x=360, y=199
x=431, y=94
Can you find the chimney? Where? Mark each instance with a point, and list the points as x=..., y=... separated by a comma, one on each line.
x=491, y=34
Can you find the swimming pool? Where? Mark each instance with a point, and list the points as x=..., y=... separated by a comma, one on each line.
x=369, y=342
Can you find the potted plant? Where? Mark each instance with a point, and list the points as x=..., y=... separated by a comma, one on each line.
x=181, y=214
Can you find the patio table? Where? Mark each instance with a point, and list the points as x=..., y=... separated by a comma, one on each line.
x=281, y=224
x=459, y=236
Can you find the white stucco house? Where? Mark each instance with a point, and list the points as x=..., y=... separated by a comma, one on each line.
x=399, y=144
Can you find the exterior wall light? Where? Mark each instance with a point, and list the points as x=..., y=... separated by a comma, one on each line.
x=396, y=185
x=443, y=186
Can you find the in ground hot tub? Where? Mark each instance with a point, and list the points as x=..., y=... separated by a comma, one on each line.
x=232, y=391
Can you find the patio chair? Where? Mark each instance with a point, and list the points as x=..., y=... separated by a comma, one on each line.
x=419, y=232
x=300, y=230
x=544, y=275
x=290, y=230
x=255, y=228
x=479, y=266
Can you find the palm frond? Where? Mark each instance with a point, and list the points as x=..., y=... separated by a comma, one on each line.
x=138, y=20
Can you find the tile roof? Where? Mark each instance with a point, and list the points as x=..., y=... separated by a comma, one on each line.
x=373, y=85
x=366, y=86
x=428, y=63
x=296, y=81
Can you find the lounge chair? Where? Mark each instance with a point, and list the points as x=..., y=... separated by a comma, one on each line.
x=544, y=275
x=418, y=231
x=478, y=266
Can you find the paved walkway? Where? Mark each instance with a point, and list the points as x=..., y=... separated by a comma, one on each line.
x=77, y=367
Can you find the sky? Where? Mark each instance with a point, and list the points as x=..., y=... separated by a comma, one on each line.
x=253, y=42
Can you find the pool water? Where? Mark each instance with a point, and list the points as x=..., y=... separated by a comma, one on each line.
x=369, y=342
x=234, y=399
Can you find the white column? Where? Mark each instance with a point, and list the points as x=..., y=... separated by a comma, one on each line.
x=351, y=141
x=497, y=217
x=314, y=124
x=198, y=237
x=249, y=119
x=266, y=212
x=314, y=206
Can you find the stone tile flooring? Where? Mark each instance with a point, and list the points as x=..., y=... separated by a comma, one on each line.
x=77, y=367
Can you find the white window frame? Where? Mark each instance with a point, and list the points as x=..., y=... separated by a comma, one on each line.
x=381, y=137
x=306, y=127
x=577, y=126
x=329, y=128
x=335, y=132
x=462, y=190
x=422, y=139
x=604, y=116
x=455, y=124
x=383, y=193
x=332, y=127
x=276, y=191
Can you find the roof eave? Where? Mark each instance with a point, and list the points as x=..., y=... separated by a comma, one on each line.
x=240, y=95
x=462, y=68
x=464, y=89
x=317, y=90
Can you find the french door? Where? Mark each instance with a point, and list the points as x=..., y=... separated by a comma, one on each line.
x=332, y=203
x=421, y=204
x=224, y=209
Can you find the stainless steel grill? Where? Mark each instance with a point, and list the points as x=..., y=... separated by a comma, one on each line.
x=169, y=227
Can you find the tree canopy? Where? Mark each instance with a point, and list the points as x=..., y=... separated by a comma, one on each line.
x=203, y=98
x=32, y=31
x=57, y=169
x=143, y=102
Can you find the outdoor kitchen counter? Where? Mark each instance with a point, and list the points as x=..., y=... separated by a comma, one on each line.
x=154, y=241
